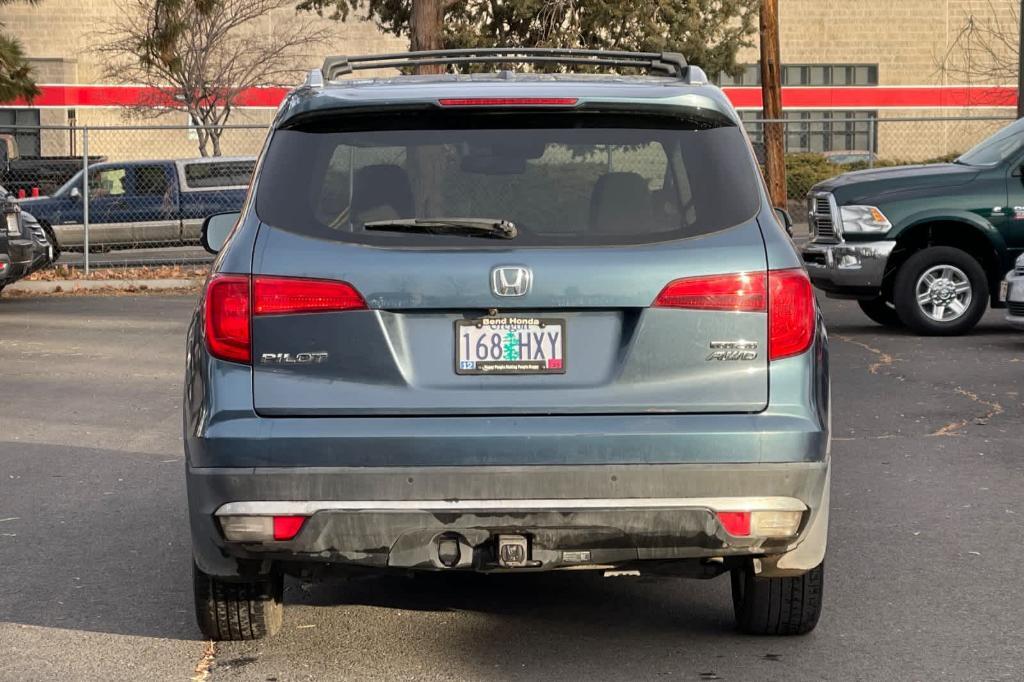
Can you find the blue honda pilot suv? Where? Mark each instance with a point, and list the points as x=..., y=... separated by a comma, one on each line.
x=507, y=322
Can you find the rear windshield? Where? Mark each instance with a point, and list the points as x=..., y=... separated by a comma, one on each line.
x=219, y=173
x=560, y=179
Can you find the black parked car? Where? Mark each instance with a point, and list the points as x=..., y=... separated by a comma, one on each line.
x=25, y=245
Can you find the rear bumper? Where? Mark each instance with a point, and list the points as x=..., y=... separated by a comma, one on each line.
x=574, y=516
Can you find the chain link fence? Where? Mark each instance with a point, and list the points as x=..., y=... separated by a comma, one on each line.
x=148, y=190
x=150, y=187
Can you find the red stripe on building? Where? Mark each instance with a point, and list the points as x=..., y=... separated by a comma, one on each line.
x=881, y=97
x=72, y=96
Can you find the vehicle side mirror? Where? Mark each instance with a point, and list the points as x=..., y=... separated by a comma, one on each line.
x=216, y=230
x=76, y=193
x=785, y=219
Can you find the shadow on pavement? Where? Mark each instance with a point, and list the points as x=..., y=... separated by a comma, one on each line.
x=545, y=601
x=98, y=541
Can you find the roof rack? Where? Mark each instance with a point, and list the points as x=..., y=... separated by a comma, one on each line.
x=670, y=64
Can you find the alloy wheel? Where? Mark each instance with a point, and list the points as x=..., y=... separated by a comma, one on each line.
x=943, y=293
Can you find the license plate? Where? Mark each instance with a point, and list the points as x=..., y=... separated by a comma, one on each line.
x=1004, y=290
x=510, y=344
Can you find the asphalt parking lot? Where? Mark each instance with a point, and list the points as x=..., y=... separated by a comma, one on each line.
x=923, y=569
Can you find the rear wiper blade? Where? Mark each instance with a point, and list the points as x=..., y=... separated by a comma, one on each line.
x=469, y=227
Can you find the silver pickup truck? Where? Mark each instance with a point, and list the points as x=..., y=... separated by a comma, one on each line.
x=134, y=203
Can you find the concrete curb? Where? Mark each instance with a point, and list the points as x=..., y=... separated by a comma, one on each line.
x=71, y=285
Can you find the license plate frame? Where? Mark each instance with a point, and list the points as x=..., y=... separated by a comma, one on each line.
x=504, y=324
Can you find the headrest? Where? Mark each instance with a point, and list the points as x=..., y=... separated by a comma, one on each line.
x=620, y=202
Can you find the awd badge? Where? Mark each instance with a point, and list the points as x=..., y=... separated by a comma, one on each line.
x=733, y=351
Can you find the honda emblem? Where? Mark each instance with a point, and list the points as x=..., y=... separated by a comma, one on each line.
x=511, y=280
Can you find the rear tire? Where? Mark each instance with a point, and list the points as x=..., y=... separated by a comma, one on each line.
x=881, y=311
x=237, y=610
x=776, y=606
x=930, y=271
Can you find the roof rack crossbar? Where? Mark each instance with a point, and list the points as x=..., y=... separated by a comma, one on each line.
x=668, y=63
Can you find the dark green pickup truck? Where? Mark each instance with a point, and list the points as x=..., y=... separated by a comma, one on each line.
x=924, y=246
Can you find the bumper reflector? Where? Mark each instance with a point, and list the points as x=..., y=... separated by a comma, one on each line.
x=735, y=523
x=261, y=528
x=287, y=527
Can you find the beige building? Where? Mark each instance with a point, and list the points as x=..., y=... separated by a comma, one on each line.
x=851, y=69
x=58, y=36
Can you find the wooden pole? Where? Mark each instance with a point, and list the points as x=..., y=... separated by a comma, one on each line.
x=1020, y=64
x=426, y=28
x=771, y=93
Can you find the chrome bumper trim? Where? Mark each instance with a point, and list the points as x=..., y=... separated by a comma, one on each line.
x=308, y=508
x=848, y=264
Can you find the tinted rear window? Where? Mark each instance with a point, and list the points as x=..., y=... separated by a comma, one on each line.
x=218, y=174
x=561, y=179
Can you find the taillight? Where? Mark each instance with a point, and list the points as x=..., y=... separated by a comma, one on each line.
x=508, y=101
x=791, y=317
x=282, y=295
x=787, y=296
x=742, y=291
x=232, y=300
x=227, y=317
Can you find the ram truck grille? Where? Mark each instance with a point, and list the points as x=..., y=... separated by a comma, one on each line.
x=822, y=220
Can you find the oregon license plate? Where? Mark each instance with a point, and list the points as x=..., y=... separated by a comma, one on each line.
x=510, y=344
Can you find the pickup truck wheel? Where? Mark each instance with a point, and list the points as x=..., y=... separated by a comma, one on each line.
x=776, y=606
x=881, y=311
x=237, y=610
x=941, y=291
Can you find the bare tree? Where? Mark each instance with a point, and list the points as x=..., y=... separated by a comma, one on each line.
x=985, y=48
x=218, y=50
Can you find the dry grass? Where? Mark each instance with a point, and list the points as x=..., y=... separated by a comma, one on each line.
x=64, y=272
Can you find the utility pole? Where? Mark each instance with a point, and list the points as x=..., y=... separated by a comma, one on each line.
x=771, y=95
x=1020, y=64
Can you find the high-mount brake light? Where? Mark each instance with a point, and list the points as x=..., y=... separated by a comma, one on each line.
x=231, y=301
x=786, y=295
x=741, y=292
x=508, y=101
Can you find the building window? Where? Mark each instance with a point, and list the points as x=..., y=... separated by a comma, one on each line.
x=820, y=131
x=26, y=137
x=813, y=75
